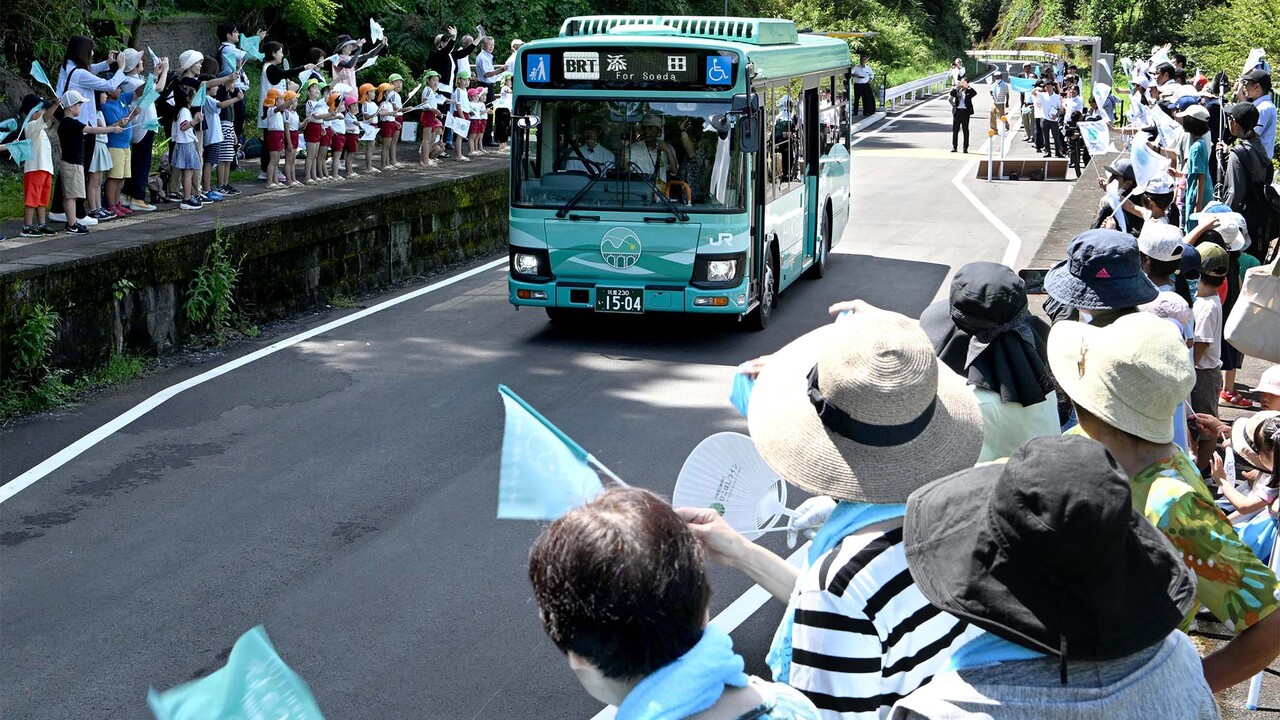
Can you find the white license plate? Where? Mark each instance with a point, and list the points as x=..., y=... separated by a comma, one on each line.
x=619, y=300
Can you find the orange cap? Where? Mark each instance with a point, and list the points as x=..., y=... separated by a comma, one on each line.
x=290, y=96
x=367, y=87
x=272, y=96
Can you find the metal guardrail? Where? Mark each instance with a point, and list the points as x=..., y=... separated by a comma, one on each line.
x=891, y=97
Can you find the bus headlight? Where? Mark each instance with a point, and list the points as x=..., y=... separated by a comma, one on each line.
x=722, y=270
x=526, y=263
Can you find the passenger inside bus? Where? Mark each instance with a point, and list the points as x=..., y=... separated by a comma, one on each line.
x=589, y=156
x=650, y=154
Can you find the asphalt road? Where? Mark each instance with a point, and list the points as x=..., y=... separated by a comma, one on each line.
x=342, y=491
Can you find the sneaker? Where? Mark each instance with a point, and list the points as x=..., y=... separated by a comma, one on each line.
x=121, y=211
x=228, y=191
x=141, y=206
x=58, y=217
x=77, y=229
x=30, y=231
x=102, y=215
x=190, y=203
x=46, y=231
x=1234, y=399
x=175, y=196
x=212, y=196
x=87, y=221
x=281, y=179
x=262, y=175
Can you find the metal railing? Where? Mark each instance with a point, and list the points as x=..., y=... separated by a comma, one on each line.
x=1012, y=55
x=890, y=97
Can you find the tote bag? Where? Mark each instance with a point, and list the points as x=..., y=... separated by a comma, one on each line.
x=1254, y=324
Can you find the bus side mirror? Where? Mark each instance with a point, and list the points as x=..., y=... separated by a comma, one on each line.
x=749, y=135
x=526, y=122
x=744, y=103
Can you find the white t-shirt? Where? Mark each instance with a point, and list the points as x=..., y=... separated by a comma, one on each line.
x=1208, y=312
x=351, y=123
x=387, y=110
x=275, y=119
x=459, y=97
x=645, y=158
x=179, y=135
x=314, y=108
x=478, y=109
x=41, y=152
x=863, y=74
x=1073, y=105
x=393, y=98
x=1037, y=105
x=102, y=122
x=291, y=119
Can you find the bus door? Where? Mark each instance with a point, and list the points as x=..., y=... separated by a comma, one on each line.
x=811, y=138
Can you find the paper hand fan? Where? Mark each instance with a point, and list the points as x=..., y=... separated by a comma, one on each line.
x=727, y=474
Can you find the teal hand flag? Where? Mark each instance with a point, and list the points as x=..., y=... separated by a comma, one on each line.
x=740, y=392
x=255, y=683
x=197, y=101
x=37, y=72
x=250, y=44
x=19, y=150
x=1147, y=163
x=8, y=125
x=152, y=125
x=544, y=473
x=149, y=93
x=1022, y=85
x=155, y=59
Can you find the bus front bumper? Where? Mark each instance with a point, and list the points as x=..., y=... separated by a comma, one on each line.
x=657, y=297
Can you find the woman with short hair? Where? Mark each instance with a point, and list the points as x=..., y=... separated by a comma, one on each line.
x=622, y=590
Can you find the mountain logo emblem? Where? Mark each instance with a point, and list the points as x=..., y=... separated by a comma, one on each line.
x=620, y=248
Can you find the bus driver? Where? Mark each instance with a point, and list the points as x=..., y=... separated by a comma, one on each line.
x=589, y=156
x=650, y=154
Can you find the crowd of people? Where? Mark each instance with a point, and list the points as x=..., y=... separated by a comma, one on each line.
x=107, y=113
x=1010, y=517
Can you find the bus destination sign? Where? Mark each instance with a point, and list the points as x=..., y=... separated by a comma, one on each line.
x=635, y=68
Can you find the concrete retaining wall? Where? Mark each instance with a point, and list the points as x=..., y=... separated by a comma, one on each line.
x=294, y=258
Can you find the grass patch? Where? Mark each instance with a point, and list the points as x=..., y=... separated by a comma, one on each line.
x=53, y=391
x=10, y=196
x=243, y=175
x=343, y=300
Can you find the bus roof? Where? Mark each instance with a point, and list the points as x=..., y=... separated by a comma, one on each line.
x=773, y=46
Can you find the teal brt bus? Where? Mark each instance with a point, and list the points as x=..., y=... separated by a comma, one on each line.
x=676, y=164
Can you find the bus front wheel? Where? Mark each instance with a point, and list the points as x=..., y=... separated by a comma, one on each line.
x=759, y=318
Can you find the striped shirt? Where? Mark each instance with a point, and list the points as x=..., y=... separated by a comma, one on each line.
x=999, y=92
x=865, y=636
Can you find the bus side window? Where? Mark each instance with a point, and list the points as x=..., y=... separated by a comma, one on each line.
x=771, y=159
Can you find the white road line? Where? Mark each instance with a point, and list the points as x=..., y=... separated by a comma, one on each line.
x=734, y=615
x=69, y=453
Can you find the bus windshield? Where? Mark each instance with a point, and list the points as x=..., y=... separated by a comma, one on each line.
x=618, y=155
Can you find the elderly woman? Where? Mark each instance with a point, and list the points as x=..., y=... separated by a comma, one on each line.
x=622, y=590
x=985, y=333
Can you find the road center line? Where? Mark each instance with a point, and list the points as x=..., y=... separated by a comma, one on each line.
x=734, y=615
x=69, y=453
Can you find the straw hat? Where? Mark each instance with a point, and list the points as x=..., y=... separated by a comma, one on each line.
x=1132, y=374
x=862, y=410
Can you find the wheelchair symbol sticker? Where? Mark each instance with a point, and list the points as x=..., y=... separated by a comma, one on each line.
x=719, y=70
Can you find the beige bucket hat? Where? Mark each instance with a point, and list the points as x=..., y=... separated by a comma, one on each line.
x=1131, y=374
x=1244, y=435
x=862, y=410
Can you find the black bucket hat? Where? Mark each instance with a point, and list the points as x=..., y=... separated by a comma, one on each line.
x=1047, y=552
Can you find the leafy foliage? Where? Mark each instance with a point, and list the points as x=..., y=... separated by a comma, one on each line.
x=33, y=341
x=211, y=295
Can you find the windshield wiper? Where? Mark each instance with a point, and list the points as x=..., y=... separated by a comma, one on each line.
x=604, y=169
x=680, y=214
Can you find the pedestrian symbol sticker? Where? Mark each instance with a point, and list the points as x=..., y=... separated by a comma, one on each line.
x=538, y=69
x=719, y=70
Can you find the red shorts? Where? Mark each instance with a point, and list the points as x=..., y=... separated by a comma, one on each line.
x=387, y=129
x=36, y=188
x=275, y=141
x=293, y=139
x=431, y=121
x=314, y=133
x=352, y=143
x=337, y=141
x=477, y=126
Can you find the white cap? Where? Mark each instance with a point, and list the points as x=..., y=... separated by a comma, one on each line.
x=1231, y=227
x=1160, y=241
x=1270, y=381
x=1159, y=186
x=129, y=59
x=189, y=58
x=1198, y=112
x=71, y=97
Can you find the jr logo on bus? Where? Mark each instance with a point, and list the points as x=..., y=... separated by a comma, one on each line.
x=620, y=248
x=581, y=66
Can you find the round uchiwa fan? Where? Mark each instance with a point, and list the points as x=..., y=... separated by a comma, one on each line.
x=727, y=474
